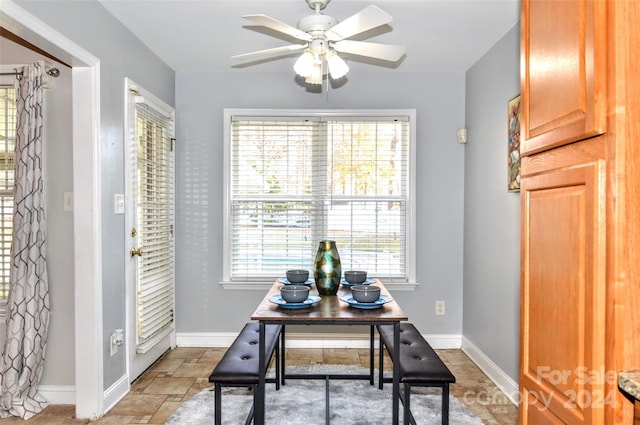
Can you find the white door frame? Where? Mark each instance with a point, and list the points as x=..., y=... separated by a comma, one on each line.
x=89, y=391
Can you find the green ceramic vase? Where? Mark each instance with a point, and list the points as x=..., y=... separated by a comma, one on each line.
x=327, y=271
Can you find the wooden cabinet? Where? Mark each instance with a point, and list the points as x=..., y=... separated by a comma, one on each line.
x=564, y=64
x=563, y=286
x=580, y=199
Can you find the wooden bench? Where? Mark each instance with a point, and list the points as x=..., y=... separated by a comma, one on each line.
x=239, y=365
x=419, y=366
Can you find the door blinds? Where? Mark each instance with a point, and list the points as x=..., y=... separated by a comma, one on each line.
x=155, y=220
x=296, y=181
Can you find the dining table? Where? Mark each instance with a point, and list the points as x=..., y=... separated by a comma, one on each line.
x=335, y=310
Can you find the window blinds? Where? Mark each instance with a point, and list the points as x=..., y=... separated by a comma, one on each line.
x=296, y=181
x=155, y=216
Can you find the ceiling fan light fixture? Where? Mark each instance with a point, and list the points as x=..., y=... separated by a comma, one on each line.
x=325, y=38
x=316, y=74
x=338, y=68
x=304, y=65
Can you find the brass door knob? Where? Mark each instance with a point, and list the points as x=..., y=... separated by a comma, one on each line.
x=136, y=251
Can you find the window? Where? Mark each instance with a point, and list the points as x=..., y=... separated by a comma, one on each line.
x=7, y=145
x=295, y=179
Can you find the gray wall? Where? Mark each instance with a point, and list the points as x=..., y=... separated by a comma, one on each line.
x=121, y=55
x=59, y=365
x=492, y=215
x=202, y=304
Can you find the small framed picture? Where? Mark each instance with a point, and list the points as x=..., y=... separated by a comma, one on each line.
x=513, y=151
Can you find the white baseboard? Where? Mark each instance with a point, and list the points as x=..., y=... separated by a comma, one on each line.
x=294, y=340
x=205, y=339
x=443, y=341
x=503, y=381
x=55, y=394
x=58, y=394
x=306, y=340
x=116, y=392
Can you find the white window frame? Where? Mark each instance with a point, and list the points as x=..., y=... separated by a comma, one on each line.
x=229, y=113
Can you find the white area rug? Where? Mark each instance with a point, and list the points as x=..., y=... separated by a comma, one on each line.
x=302, y=402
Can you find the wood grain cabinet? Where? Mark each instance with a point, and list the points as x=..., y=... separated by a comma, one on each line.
x=564, y=63
x=580, y=206
x=563, y=289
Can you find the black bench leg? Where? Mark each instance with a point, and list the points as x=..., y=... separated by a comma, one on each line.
x=395, y=392
x=259, y=390
x=283, y=355
x=252, y=410
x=445, y=404
x=218, y=404
x=327, y=408
x=407, y=418
x=371, y=362
x=277, y=354
x=381, y=364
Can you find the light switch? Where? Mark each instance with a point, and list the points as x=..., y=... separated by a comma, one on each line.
x=118, y=203
x=68, y=202
x=462, y=136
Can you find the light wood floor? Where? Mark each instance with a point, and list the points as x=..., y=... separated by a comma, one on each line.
x=184, y=372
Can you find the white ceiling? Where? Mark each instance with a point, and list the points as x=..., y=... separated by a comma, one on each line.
x=202, y=35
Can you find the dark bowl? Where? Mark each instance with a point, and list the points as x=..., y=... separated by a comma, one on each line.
x=294, y=293
x=297, y=276
x=365, y=293
x=355, y=276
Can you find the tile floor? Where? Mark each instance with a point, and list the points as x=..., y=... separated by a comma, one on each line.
x=184, y=372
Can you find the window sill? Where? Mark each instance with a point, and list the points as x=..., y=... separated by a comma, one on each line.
x=250, y=286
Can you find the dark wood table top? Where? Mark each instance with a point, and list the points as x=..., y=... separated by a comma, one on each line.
x=329, y=310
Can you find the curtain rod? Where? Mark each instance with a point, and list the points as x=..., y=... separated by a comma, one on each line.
x=22, y=42
x=54, y=72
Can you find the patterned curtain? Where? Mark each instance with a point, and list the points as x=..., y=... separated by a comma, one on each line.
x=28, y=303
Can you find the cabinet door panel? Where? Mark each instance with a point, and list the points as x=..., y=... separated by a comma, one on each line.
x=563, y=293
x=563, y=72
x=535, y=412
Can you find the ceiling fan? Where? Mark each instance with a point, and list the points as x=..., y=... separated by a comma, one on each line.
x=324, y=37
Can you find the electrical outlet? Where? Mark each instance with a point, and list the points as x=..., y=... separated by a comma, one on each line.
x=116, y=340
x=439, y=308
x=114, y=344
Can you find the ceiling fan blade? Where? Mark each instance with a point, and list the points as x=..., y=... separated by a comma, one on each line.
x=270, y=52
x=368, y=18
x=387, y=52
x=279, y=26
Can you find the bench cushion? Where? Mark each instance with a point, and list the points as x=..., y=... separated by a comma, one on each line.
x=239, y=365
x=419, y=363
